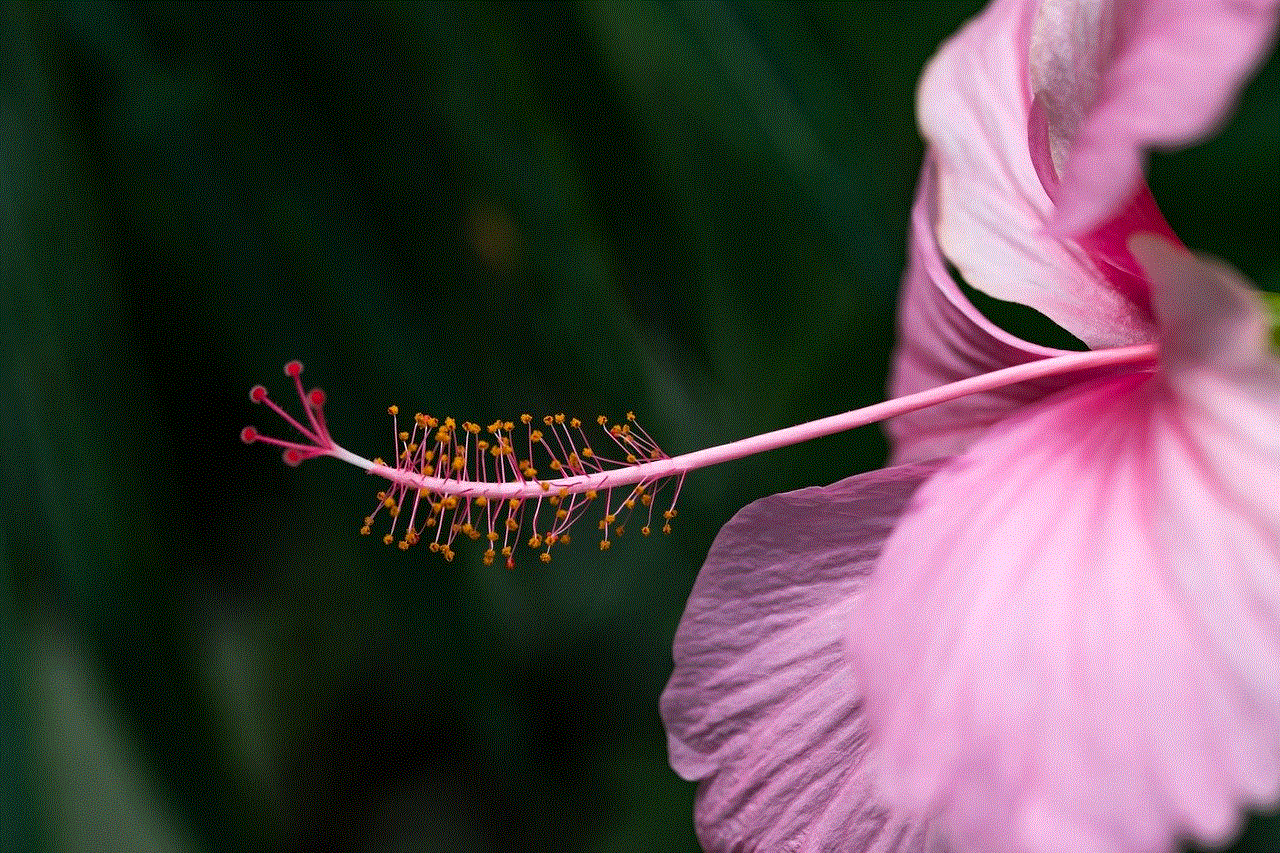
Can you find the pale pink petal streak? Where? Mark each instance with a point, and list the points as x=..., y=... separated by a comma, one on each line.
x=761, y=706
x=1087, y=658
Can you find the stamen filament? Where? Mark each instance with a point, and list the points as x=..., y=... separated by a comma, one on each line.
x=680, y=465
x=450, y=479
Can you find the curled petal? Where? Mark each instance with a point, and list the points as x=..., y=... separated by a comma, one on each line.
x=1072, y=639
x=761, y=706
x=1118, y=79
x=975, y=109
x=944, y=338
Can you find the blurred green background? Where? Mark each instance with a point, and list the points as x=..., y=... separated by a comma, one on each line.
x=694, y=211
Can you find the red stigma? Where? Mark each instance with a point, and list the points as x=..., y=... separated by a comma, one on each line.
x=313, y=437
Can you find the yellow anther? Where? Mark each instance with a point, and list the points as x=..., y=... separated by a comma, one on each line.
x=646, y=499
x=506, y=551
x=564, y=538
x=554, y=500
x=544, y=557
x=524, y=419
x=551, y=539
x=631, y=458
x=492, y=536
x=559, y=417
x=434, y=547
x=591, y=494
x=404, y=436
x=365, y=531
x=548, y=420
x=587, y=453
x=610, y=518
x=546, y=487
x=481, y=500
x=666, y=528
x=669, y=514
x=615, y=430
x=514, y=503
x=377, y=460
x=508, y=425
x=631, y=416
x=424, y=493
x=644, y=531
x=513, y=525
x=535, y=541
x=450, y=424
x=482, y=445
x=535, y=436
x=393, y=410
x=459, y=463
x=619, y=530
x=413, y=447
x=575, y=423
x=448, y=553
x=404, y=546
x=562, y=513
x=602, y=420
x=488, y=557
x=431, y=522
x=555, y=465
x=629, y=504
x=388, y=501
x=394, y=511
x=388, y=539
x=368, y=519
x=450, y=501
x=473, y=428
x=602, y=525
x=604, y=544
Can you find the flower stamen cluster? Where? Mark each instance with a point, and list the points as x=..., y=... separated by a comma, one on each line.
x=460, y=459
x=506, y=483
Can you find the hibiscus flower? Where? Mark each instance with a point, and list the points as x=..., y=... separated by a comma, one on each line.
x=1054, y=624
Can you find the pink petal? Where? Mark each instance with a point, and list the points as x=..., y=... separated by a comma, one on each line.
x=943, y=338
x=1119, y=79
x=975, y=110
x=761, y=705
x=1072, y=639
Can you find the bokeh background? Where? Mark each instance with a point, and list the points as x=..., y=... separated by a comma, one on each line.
x=694, y=211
